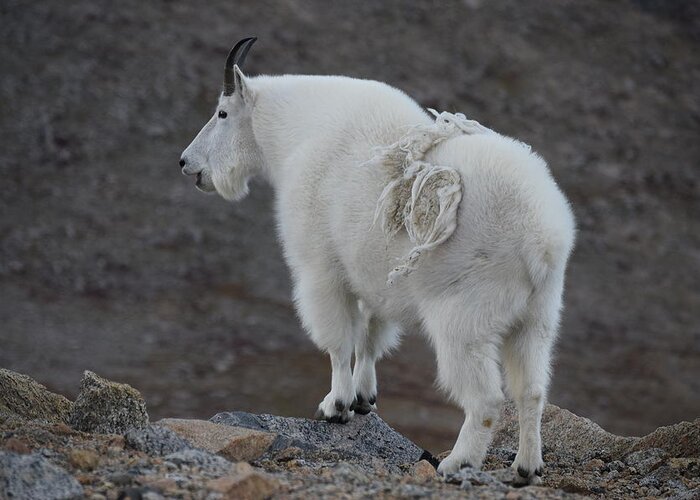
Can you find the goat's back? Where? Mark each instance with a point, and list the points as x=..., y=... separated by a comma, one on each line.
x=514, y=225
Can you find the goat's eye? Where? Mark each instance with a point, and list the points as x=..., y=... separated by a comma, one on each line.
x=222, y=114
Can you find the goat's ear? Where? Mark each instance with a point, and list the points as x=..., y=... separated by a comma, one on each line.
x=242, y=88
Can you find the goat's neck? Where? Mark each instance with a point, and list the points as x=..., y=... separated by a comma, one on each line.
x=286, y=118
x=311, y=115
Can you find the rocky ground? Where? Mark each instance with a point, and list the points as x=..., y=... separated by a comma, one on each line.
x=103, y=446
x=111, y=261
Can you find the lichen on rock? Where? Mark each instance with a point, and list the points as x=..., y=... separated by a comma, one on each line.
x=107, y=407
x=24, y=398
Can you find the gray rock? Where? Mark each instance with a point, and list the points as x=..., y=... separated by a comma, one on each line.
x=350, y=473
x=199, y=458
x=107, y=407
x=34, y=477
x=650, y=482
x=25, y=398
x=688, y=495
x=121, y=478
x=242, y=419
x=155, y=440
x=359, y=441
x=646, y=461
x=665, y=479
x=616, y=466
x=467, y=477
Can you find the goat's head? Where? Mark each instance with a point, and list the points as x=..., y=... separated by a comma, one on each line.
x=224, y=154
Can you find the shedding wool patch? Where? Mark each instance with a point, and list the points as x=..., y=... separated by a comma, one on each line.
x=421, y=197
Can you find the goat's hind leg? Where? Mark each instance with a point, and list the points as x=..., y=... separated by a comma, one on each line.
x=329, y=314
x=467, y=352
x=526, y=360
x=471, y=375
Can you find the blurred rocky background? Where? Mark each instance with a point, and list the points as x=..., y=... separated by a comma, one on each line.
x=111, y=261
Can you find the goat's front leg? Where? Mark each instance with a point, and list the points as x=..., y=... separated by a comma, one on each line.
x=336, y=406
x=329, y=314
x=375, y=339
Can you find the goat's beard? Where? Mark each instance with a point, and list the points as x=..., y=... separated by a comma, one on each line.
x=231, y=185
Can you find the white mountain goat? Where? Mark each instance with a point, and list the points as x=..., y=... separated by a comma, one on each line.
x=468, y=224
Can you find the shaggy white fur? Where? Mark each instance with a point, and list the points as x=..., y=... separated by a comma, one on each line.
x=422, y=198
x=498, y=230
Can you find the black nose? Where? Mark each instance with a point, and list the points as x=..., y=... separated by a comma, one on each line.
x=182, y=162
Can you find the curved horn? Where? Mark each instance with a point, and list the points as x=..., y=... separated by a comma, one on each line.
x=236, y=56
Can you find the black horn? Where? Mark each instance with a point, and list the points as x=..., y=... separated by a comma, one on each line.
x=236, y=57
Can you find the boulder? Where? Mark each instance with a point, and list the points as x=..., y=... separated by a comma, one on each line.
x=155, y=440
x=567, y=434
x=365, y=437
x=33, y=476
x=678, y=440
x=563, y=433
x=232, y=443
x=25, y=398
x=107, y=407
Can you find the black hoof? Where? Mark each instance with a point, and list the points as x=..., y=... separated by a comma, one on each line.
x=427, y=456
x=342, y=417
x=338, y=419
x=363, y=406
x=525, y=478
x=524, y=473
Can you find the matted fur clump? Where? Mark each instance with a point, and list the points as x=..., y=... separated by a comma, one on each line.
x=421, y=197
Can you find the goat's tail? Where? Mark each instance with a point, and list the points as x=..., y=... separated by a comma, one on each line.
x=546, y=257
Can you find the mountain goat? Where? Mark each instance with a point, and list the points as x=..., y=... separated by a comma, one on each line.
x=469, y=224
